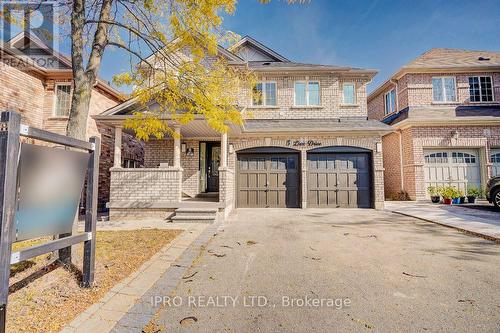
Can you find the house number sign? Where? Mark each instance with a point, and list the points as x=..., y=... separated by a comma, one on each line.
x=303, y=143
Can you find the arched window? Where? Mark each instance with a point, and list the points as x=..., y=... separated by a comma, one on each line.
x=458, y=157
x=441, y=157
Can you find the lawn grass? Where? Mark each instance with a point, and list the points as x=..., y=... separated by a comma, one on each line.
x=46, y=296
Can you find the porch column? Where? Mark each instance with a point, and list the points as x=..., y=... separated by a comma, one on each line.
x=177, y=146
x=223, y=150
x=117, y=160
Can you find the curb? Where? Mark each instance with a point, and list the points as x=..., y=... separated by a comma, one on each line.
x=465, y=231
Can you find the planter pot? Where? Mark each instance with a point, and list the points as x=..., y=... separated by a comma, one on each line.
x=447, y=201
x=462, y=200
x=456, y=201
x=435, y=199
x=471, y=199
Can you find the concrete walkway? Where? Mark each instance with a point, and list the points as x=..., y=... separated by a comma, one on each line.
x=105, y=314
x=481, y=223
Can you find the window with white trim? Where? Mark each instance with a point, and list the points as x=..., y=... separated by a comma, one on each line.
x=443, y=89
x=390, y=101
x=349, y=93
x=481, y=89
x=458, y=157
x=495, y=158
x=307, y=93
x=264, y=94
x=63, y=100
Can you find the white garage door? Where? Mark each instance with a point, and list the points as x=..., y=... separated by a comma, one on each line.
x=495, y=161
x=459, y=168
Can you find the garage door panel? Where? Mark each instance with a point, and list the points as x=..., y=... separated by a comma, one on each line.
x=332, y=180
x=345, y=182
x=452, y=167
x=495, y=162
x=362, y=199
x=268, y=180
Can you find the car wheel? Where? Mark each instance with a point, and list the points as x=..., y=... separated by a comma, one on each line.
x=495, y=197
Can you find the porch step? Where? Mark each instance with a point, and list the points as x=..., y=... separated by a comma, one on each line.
x=195, y=215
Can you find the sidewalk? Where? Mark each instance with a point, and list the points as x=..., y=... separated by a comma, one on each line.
x=479, y=223
x=106, y=313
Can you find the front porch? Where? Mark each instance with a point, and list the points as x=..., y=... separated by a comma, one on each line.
x=185, y=172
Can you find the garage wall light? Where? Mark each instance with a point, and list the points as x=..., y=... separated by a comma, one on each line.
x=231, y=148
x=378, y=147
x=183, y=147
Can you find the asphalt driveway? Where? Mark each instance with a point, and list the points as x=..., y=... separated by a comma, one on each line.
x=343, y=270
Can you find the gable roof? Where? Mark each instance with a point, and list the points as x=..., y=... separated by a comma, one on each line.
x=24, y=43
x=16, y=48
x=445, y=60
x=252, y=43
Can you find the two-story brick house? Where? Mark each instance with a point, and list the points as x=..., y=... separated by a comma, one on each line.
x=308, y=144
x=445, y=109
x=36, y=81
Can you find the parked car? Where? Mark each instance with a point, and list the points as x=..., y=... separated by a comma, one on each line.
x=493, y=191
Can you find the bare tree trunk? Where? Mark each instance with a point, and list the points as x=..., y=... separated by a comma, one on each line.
x=84, y=79
x=80, y=102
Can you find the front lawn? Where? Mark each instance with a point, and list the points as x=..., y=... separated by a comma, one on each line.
x=44, y=296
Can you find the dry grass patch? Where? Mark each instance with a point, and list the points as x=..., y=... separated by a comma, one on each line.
x=46, y=296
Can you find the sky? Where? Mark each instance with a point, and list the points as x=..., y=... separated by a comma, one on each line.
x=375, y=34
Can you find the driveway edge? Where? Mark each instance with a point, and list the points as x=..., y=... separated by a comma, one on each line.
x=449, y=225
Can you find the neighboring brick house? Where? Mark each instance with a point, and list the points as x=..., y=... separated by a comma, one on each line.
x=308, y=144
x=445, y=109
x=42, y=95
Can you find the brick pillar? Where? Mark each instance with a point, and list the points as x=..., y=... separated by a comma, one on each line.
x=117, y=160
x=223, y=150
x=177, y=147
x=303, y=169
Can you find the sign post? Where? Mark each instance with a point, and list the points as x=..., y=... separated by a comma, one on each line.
x=30, y=207
x=9, y=153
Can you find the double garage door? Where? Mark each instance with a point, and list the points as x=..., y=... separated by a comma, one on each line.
x=333, y=180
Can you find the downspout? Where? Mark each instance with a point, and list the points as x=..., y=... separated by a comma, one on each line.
x=401, y=161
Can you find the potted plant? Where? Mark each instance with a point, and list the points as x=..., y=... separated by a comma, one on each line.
x=462, y=196
x=455, y=195
x=472, y=193
x=447, y=194
x=434, y=193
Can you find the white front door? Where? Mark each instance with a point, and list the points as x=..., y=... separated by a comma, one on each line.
x=495, y=162
x=457, y=167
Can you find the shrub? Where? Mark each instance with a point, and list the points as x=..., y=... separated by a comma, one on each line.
x=473, y=191
x=433, y=191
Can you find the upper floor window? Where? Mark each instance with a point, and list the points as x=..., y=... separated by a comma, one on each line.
x=307, y=93
x=63, y=100
x=390, y=101
x=481, y=89
x=349, y=93
x=264, y=94
x=443, y=89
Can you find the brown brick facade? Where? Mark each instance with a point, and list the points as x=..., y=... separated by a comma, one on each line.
x=32, y=95
x=414, y=91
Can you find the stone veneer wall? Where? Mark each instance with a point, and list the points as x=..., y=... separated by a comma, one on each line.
x=132, y=149
x=135, y=191
x=162, y=151
x=368, y=142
